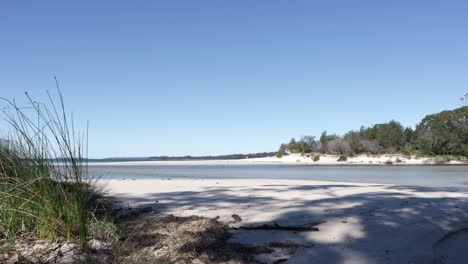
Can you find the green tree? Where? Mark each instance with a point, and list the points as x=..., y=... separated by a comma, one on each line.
x=444, y=133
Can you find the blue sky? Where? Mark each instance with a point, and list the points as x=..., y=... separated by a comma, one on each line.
x=217, y=77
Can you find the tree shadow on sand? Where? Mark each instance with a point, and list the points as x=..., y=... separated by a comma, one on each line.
x=396, y=224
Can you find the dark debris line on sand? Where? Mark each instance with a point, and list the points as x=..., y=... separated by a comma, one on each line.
x=296, y=228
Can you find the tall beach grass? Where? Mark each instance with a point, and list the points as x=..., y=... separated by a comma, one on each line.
x=45, y=190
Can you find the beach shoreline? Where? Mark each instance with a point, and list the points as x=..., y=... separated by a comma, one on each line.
x=296, y=159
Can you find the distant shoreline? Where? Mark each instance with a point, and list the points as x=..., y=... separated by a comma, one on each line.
x=187, y=157
x=295, y=159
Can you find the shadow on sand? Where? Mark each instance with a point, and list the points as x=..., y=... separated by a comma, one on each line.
x=382, y=224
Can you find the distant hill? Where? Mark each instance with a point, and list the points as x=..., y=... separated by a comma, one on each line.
x=179, y=158
x=119, y=159
x=219, y=157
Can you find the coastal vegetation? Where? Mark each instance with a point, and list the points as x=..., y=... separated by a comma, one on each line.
x=51, y=211
x=316, y=158
x=444, y=133
x=45, y=192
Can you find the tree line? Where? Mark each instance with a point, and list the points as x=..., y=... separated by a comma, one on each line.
x=218, y=157
x=444, y=133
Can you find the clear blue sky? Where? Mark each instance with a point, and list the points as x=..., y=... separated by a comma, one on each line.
x=216, y=77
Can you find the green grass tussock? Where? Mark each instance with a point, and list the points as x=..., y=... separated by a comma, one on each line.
x=316, y=158
x=45, y=191
x=342, y=158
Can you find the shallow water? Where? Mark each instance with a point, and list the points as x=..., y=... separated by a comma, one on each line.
x=440, y=176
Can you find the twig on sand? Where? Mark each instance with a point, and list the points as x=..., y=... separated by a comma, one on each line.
x=275, y=226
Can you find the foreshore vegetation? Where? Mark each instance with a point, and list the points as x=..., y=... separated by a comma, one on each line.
x=45, y=192
x=441, y=134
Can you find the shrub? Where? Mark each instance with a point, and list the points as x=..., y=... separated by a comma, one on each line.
x=419, y=154
x=316, y=158
x=388, y=162
x=407, y=151
x=440, y=160
x=339, y=146
x=342, y=158
x=279, y=154
x=398, y=160
x=370, y=146
x=448, y=158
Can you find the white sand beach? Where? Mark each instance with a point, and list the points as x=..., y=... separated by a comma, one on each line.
x=297, y=159
x=363, y=223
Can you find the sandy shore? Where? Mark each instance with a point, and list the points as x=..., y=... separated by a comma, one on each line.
x=294, y=159
x=365, y=223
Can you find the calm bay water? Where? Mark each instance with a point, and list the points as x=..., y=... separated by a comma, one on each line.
x=441, y=176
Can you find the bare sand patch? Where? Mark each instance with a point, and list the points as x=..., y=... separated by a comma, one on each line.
x=364, y=223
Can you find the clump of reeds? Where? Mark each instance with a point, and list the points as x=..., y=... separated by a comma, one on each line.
x=44, y=187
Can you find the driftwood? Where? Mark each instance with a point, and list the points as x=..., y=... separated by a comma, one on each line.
x=236, y=218
x=275, y=226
